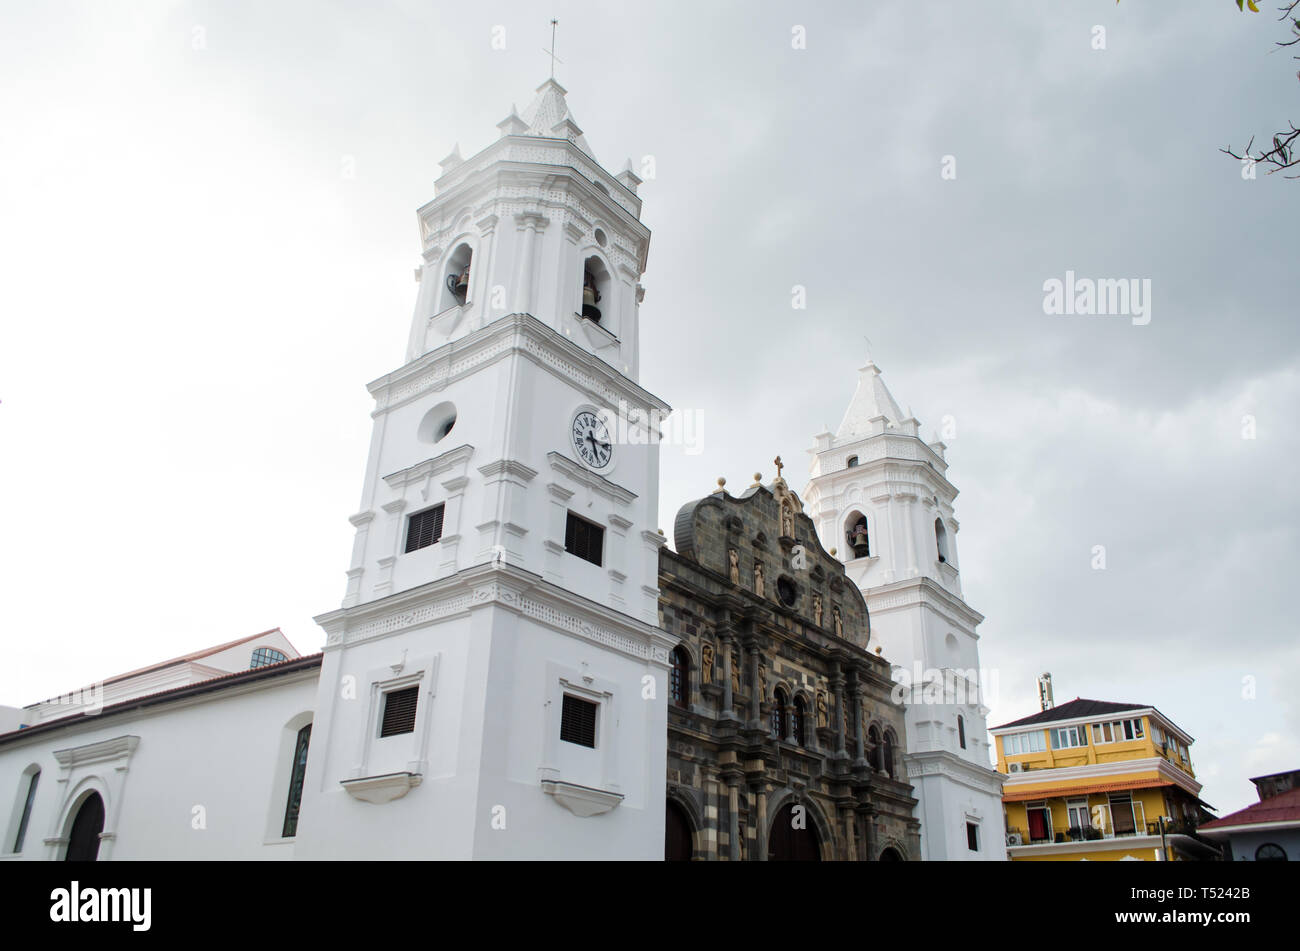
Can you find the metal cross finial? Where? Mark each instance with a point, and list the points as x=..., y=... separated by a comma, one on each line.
x=779, y=466
x=554, y=59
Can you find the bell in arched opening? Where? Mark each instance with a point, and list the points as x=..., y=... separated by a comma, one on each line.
x=590, y=296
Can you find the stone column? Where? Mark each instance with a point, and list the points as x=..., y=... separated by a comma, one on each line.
x=837, y=687
x=761, y=837
x=733, y=804
x=728, y=699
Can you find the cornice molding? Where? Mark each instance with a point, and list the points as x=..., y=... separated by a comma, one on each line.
x=592, y=480
x=434, y=466
x=520, y=334
x=506, y=587
x=1096, y=771
x=924, y=591
x=117, y=748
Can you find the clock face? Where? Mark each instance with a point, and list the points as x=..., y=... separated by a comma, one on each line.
x=591, y=440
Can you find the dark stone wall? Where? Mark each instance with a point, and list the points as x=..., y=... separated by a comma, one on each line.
x=730, y=768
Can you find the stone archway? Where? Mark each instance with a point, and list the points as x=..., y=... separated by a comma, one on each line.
x=791, y=840
x=678, y=834
x=83, y=839
x=890, y=854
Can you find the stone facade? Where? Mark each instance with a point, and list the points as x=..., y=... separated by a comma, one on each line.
x=774, y=639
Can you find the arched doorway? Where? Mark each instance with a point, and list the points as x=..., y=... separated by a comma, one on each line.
x=790, y=843
x=890, y=855
x=677, y=834
x=83, y=840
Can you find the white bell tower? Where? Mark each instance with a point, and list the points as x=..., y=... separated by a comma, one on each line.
x=880, y=497
x=494, y=685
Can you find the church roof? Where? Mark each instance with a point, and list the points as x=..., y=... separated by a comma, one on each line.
x=549, y=116
x=185, y=691
x=871, y=399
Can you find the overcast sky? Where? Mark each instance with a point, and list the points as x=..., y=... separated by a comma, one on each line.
x=207, y=237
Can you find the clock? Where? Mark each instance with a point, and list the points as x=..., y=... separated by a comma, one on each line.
x=591, y=440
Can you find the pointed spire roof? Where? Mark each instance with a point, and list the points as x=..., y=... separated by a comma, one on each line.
x=548, y=115
x=870, y=400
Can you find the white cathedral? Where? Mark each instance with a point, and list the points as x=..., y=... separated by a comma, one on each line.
x=495, y=682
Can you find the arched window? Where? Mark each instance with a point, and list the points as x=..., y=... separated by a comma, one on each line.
x=941, y=539
x=266, y=655
x=33, y=776
x=856, y=534
x=873, y=749
x=778, y=714
x=455, y=281
x=852, y=461
x=797, y=720
x=887, y=753
x=961, y=731
x=679, y=686
x=1268, y=852
x=296, y=777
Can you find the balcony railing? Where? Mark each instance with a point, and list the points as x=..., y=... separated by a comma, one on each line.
x=1101, y=827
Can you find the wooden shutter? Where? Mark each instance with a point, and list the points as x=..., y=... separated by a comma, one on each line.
x=399, y=711
x=578, y=721
x=424, y=528
x=584, y=539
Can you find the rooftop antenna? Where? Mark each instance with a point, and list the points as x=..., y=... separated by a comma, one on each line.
x=551, y=51
x=1045, y=700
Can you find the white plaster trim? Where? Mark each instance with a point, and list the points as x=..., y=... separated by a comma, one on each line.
x=381, y=789
x=581, y=800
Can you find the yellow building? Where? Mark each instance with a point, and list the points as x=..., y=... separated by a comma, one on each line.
x=1099, y=781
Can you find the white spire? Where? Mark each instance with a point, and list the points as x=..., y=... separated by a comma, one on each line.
x=870, y=400
x=548, y=115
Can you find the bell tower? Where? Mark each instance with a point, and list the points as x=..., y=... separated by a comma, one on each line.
x=879, y=495
x=495, y=682
x=534, y=225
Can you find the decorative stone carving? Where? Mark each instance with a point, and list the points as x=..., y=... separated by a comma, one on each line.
x=734, y=557
x=839, y=621
x=817, y=609
x=823, y=719
x=706, y=664
x=758, y=578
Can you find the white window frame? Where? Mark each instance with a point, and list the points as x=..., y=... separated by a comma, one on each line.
x=1118, y=731
x=1018, y=744
x=420, y=672
x=1077, y=733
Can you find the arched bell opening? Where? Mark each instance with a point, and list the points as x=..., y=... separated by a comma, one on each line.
x=856, y=534
x=595, y=289
x=455, y=281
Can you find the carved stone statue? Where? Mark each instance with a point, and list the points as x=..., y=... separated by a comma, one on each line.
x=735, y=676
x=706, y=664
x=762, y=681
x=823, y=719
x=817, y=609
x=758, y=578
x=787, y=519
x=839, y=621
x=734, y=557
